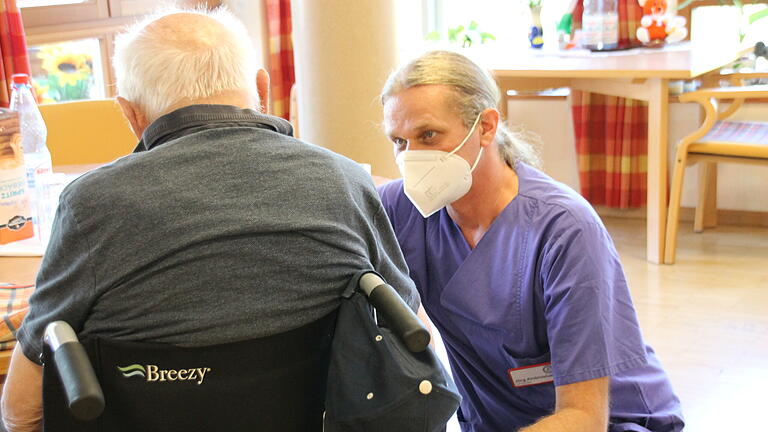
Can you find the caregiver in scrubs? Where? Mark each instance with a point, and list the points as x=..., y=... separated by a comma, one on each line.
x=516, y=270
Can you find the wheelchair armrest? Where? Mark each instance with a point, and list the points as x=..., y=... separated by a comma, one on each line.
x=81, y=387
x=400, y=318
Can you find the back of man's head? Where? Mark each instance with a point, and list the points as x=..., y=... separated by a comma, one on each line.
x=180, y=57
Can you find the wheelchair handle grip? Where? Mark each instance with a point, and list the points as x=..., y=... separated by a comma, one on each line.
x=400, y=318
x=81, y=387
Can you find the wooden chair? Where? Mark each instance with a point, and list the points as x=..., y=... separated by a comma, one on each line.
x=715, y=141
x=87, y=132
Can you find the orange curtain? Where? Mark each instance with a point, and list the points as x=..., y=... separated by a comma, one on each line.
x=612, y=132
x=281, y=71
x=13, y=48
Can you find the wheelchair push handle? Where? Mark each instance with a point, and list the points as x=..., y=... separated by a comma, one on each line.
x=398, y=316
x=81, y=387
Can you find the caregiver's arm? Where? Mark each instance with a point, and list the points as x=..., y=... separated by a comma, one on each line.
x=580, y=407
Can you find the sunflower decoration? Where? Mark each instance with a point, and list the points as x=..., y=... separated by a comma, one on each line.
x=41, y=90
x=70, y=73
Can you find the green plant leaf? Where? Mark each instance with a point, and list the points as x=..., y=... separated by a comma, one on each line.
x=685, y=4
x=453, y=33
x=465, y=36
x=758, y=15
x=432, y=36
x=484, y=36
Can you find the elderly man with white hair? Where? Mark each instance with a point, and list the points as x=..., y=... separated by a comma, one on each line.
x=220, y=227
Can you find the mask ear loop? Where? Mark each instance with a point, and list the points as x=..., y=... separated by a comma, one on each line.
x=464, y=141
x=472, y=129
x=480, y=153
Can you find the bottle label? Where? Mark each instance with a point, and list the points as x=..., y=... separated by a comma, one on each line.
x=591, y=30
x=610, y=32
x=15, y=211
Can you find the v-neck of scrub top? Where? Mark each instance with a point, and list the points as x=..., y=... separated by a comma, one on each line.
x=448, y=250
x=457, y=235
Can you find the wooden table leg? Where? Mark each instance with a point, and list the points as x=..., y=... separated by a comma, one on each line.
x=658, y=122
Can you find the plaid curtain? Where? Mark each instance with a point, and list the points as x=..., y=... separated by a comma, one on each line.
x=612, y=132
x=14, y=301
x=281, y=71
x=13, y=48
x=612, y=147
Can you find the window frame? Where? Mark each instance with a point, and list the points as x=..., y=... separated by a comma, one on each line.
x=89, y=10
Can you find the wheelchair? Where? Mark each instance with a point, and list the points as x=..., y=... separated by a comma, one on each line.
x=364, y=367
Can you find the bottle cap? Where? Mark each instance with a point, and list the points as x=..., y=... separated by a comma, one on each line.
x=20, y=78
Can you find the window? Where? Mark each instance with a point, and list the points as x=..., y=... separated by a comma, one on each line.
x=68, y=71
x=70, y=43
x=38, y=3
x=731, y=24
x=509, y=21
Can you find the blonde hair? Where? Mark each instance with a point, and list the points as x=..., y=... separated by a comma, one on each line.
x=473, y=91
x=157, y=68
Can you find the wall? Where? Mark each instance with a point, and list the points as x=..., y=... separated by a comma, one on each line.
x=557, y=150
x=252, y=14
x=740, y=187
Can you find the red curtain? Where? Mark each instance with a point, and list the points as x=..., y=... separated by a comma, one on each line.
x=612, y=132
x=13, y=48
x=611, y=147
x=281, y=71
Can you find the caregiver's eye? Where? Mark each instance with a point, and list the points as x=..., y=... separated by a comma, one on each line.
x=400, y=144
x=428, y=135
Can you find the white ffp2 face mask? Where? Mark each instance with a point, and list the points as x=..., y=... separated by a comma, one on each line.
x=432, y=179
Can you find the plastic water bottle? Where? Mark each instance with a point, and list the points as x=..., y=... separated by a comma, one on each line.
x=600, y=25
x=37, y=158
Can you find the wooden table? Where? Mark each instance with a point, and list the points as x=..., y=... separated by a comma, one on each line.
x=639, y=75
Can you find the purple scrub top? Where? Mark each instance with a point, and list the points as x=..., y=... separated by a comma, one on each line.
x=543, y=294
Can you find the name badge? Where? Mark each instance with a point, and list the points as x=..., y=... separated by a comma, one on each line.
x=531, y=375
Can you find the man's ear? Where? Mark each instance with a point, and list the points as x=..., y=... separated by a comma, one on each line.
x=135, y=116
x=489, y=123
x=262, y=88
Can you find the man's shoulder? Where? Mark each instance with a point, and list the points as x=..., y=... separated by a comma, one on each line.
x=333, y=164
x=108, y=173
x=554, y=201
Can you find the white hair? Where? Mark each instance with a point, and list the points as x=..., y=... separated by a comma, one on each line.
x=156, y=69
x=473, y=89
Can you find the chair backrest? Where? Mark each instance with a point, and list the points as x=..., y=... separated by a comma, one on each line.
x=276, y=383
x=87, y=132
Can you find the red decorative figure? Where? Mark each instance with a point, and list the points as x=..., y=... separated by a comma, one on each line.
x=658, y=27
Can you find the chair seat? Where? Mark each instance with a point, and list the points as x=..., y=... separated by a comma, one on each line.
x=739, y=139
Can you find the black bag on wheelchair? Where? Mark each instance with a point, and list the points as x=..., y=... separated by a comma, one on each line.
x=378, y=384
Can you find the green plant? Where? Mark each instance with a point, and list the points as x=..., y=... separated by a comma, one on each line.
x=466, y=36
